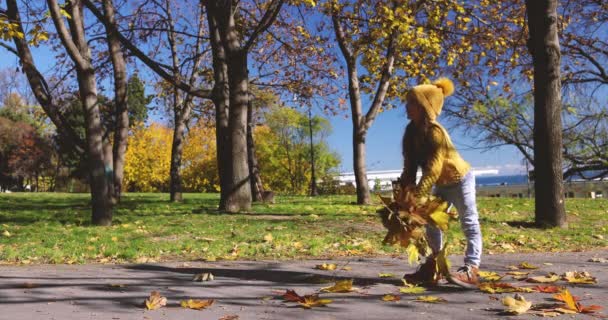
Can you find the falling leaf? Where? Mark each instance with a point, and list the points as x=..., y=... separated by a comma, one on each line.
x=548, y=289
x=29, y=285
x=155, y=301
x=341, y=286
x=116, y=285
x=292, y=296
x=386, y=275
x=412, y=254
x=516, y=304
x=526, y=265
x=205, y=276
x=441, y=219
x=412, y=290
x=229, y=317
x=490, y=275
x=197, y=304
x=6, y=233
x=579, y=277
x=551, y=277
x=390, y=297
x=310, y=301
x=347, y=268
x=326, y=266
x=430, y=299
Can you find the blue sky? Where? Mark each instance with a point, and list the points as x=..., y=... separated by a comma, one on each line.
x=383, y=139
x=384, y=146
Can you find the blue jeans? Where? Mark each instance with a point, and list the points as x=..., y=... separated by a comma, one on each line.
x=462, y=196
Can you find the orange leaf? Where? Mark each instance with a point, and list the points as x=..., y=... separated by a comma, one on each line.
x=197, y=304
x=548, y=289
x=292, y=296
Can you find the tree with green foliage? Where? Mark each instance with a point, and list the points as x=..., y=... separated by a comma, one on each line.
x=283, y=150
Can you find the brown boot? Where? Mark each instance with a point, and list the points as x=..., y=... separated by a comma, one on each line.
x=425, y=275
x=466, y=277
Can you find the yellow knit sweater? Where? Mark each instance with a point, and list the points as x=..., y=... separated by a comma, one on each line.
x=431, y=148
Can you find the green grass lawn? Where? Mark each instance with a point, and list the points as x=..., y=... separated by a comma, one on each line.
x=55, y=228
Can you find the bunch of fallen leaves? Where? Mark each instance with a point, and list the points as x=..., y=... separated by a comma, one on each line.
x=157, y=301
x=405, y=217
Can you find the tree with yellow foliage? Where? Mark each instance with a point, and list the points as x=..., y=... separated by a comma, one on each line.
x=148, y=158
x=199, y=166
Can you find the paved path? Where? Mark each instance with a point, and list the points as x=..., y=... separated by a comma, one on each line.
x=246, y=289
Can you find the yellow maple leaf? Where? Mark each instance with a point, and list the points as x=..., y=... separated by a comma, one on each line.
x=197, y=304
x=490, y=275
x=390, y=297
x=155, y=301
x=412, y=289
x=526, y=265
x=567, y=298
x=312, y=300
x=549, y=278
x=385, y=275
x=516, y=304
x=430, y=299
x=341, y=286
x=441, y=219
x=326, y=266
x=579, y=277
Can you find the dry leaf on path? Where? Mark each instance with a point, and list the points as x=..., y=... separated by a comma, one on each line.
x=341, y=286
x=229, y=317
x=549, y=278
x=412, y=290
x=598, y=260
x=516, y=304
x=502, y=287
x=200, y=277
x=526, y=265
x=196, y=304
x=386, y=275
x=390, y=297
x=430, y=299
x=548, y=289
x=155, y=301
x=490, y=275
x=579, y=277
x=326, y=266
x=310, y=301
x=292, y=296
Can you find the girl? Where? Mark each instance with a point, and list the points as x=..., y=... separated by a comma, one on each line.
x=426, y=144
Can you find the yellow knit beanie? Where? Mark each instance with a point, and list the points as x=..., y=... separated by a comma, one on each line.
x=430, y=96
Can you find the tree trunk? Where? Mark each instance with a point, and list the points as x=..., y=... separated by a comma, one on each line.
x=544, y=47
x=239, y=189
x=313, y=177
x=181, y=116
x=257, y=189
x=79, y=52
x=100, y=196
x=121, y=112
x=221, y=100
x=359, y=163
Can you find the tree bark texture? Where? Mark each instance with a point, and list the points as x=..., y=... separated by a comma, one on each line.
x=121, y=111
x=257, y=189
x=79, y=52
x=544, y=47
